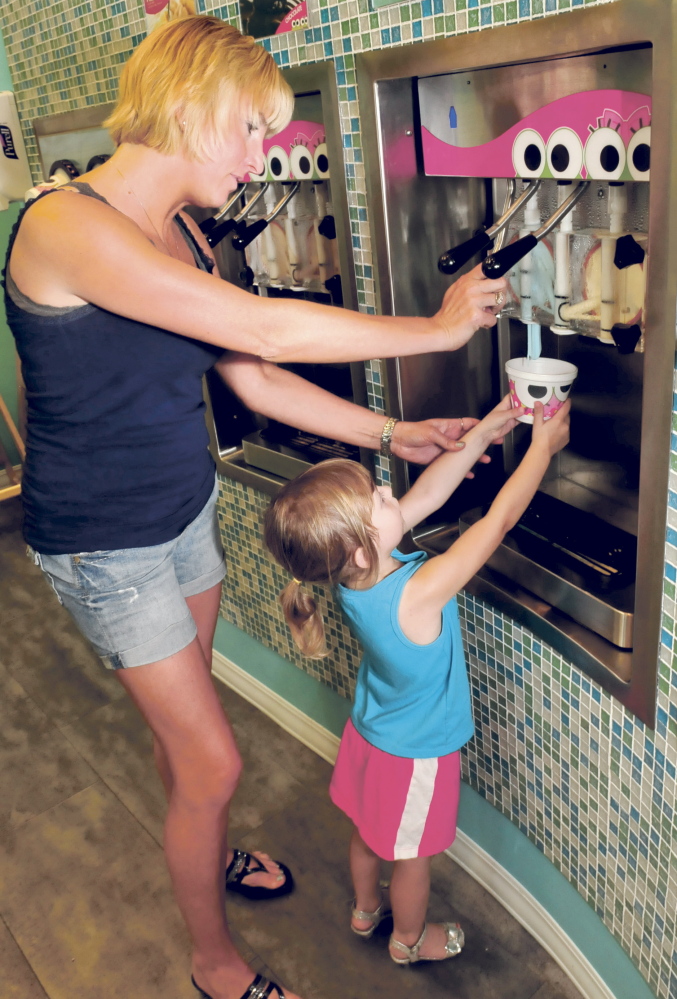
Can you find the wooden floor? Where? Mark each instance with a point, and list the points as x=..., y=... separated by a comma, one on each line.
x=86, y=910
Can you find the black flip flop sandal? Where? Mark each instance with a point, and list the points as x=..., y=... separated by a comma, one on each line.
x=242, y=865
x=260, y=988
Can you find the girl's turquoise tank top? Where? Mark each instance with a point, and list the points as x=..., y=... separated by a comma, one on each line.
x=410, y=700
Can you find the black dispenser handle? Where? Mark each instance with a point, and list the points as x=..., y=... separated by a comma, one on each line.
x=220, y=231
x=453, y=259
x=498, y=264
x=249, y=233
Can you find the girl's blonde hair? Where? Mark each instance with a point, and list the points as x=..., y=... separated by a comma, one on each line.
x=180, y=86
x=313, y=528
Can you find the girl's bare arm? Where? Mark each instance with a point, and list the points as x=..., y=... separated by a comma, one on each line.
x=442, y=577
x=436, y=484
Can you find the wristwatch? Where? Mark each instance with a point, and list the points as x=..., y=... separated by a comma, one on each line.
x=387, y=436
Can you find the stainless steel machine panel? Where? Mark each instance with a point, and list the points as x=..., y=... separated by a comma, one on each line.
x=470, y=91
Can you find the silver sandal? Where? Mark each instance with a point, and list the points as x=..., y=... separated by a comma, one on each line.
x=452, y=948
x=376, y=918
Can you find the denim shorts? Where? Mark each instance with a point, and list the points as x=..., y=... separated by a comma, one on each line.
x=131, y=602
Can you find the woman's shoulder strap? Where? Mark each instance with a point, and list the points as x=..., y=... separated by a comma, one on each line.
x=204, y=262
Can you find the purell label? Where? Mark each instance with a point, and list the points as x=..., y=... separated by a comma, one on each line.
x=7, y=143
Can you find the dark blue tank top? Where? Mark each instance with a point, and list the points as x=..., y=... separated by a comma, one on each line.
x=117, y=447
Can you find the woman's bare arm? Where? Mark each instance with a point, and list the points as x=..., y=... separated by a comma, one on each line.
x=283, y=395
x=85, y=251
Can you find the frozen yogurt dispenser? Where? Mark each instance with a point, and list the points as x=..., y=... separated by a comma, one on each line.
x=286, y=233
x=543, y=152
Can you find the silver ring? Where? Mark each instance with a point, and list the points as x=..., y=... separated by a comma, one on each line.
x=500, y=298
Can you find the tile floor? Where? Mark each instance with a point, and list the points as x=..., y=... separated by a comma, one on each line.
x=86, y=910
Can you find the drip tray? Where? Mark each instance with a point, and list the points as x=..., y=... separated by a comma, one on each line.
x=573, y=560
x=287, y=452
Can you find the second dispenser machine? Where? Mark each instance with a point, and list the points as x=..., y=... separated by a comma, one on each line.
x=541, y=170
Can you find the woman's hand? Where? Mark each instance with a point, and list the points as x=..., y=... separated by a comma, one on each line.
x=469, y=303
x=422, y=442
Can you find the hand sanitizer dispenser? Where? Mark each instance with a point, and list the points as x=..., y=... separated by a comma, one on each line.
x=15, y=177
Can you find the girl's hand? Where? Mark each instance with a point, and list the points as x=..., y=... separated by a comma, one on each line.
x=552, y=434
x=470, y=302
x=500, y=421
x=424, y=441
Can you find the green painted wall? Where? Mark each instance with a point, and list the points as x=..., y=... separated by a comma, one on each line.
x=8, y=388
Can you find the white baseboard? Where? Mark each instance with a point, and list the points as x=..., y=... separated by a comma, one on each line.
x=523, y=907
x=286, y=715
x=472, y=858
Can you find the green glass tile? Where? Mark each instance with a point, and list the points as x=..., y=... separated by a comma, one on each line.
x=473, y=19
x=450, y=24
x=511, y=10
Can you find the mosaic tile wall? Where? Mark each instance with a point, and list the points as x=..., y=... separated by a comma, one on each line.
x=580, y=776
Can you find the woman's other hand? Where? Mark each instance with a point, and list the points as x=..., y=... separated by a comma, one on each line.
x=470, y=302
x=422, y=442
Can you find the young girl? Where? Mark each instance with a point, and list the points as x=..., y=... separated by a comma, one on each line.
x=397, y=774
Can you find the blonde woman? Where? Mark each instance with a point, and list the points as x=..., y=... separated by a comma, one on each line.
x=117, y=314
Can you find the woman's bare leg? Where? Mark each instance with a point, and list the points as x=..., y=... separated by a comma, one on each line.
x=204, y=608
x=177, y=697
x=365, y=867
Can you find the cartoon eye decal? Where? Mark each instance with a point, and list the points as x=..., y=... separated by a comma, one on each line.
x=278, y=163
x=537, y=391
x=528, y=154
x=604, y=155
x=564, y=154
x=639, y=154
x=301, y=163
x=562, y=392
x=322, y=161
x=528, y=394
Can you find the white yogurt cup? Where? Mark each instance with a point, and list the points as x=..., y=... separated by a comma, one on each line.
x=544, y=379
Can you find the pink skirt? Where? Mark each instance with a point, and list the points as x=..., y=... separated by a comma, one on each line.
x=402, y=808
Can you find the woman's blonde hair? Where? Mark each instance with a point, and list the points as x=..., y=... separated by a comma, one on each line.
x=313, y=528
x=181, y=85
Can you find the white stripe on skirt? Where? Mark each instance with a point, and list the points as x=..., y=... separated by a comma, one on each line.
x=416, y=808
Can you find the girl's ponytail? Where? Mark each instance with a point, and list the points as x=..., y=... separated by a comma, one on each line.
x=304, y=620
x=314, y=527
